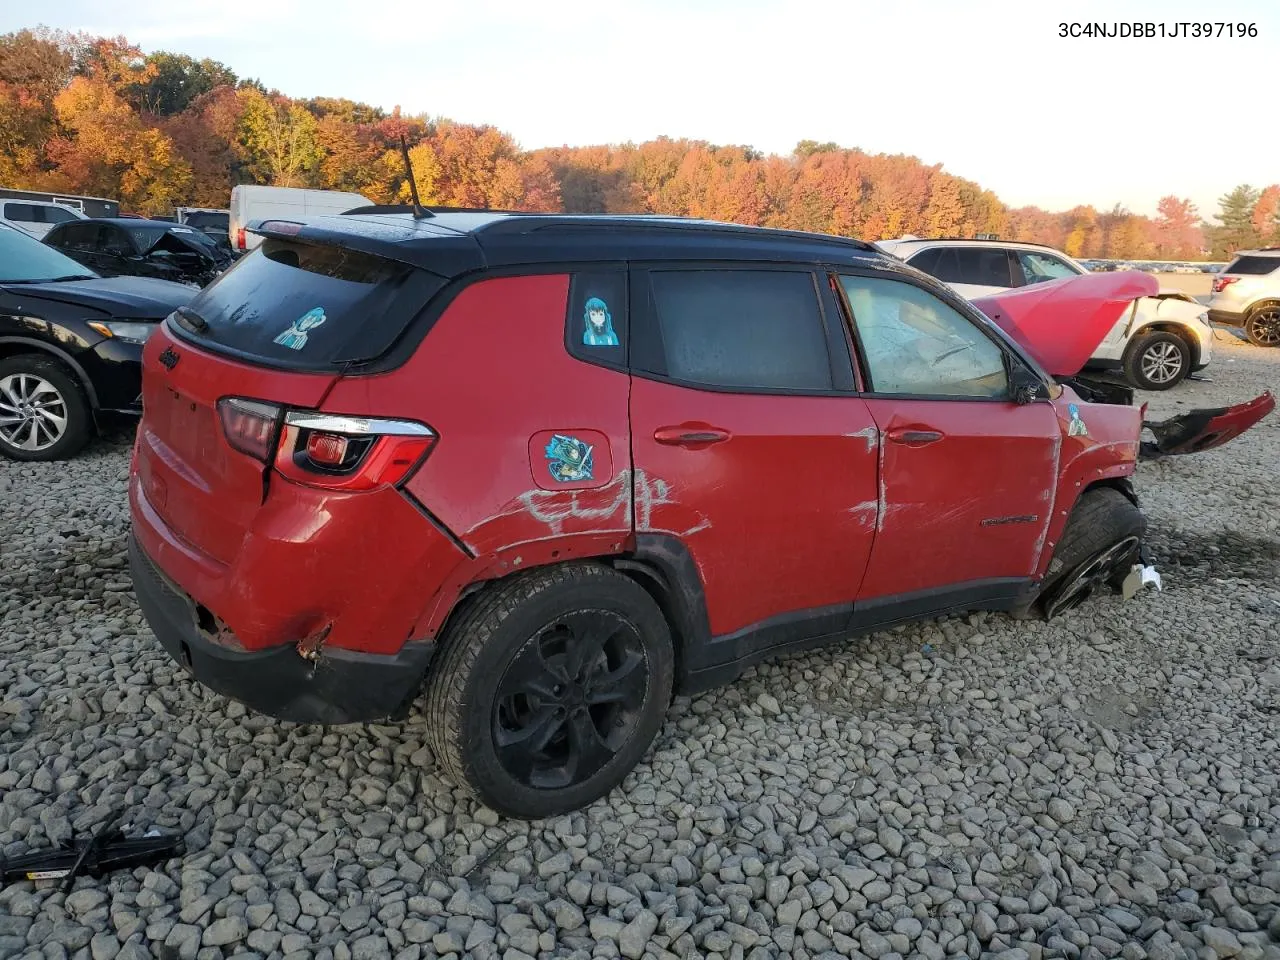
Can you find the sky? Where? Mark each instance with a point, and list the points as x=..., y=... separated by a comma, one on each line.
x=989, y=90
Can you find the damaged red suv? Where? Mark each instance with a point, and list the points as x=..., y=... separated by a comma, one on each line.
x=554, y=468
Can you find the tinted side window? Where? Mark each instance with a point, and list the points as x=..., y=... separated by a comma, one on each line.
x=77, y=236
x=56, y=214
x=1253, y=266
x=927, y=260
x=744, y=329
x=596, y=326
x=22, y=213
x=917, y=345
x=982, y=266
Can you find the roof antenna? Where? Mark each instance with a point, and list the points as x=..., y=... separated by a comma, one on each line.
x=419, y=211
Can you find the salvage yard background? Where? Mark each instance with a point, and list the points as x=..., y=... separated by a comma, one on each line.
x=1104, y=785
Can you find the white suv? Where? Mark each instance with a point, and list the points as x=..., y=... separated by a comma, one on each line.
x=37, y=217
x=1247, y=294
x=1157, y=343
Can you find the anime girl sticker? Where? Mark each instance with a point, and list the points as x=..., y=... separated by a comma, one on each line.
x=295, y=338
x=569, y=459
x=597, y=324
x=1076, y=427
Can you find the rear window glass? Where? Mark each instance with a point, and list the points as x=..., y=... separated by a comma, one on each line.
x=309, y=305
x=1253, y=266
x=206, y=221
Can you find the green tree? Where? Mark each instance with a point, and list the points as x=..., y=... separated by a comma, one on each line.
x=175, y=81
x=1235, y=218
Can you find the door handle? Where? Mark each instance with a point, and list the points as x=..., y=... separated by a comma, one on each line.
x=914, y=436
x=695, y=436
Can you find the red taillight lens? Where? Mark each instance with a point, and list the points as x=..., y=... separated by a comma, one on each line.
x=350, y=453
x=1221, y=283
x=240, y=238
x=250, y=426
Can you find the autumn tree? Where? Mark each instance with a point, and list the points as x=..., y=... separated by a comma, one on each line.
x=1177, y=228
x=34, y=68
x=1266, y=215
x=108, y=151
x=279, y=139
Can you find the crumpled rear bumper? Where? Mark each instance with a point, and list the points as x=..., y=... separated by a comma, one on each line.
x=335, y=686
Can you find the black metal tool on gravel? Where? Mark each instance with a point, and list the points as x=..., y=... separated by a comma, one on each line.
x=107, y=849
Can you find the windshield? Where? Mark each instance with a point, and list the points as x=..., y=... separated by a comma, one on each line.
x=24, y=259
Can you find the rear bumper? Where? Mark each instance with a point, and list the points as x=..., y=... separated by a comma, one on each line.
x=339, y=686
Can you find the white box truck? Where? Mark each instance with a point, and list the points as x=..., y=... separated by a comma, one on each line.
x=250, y=202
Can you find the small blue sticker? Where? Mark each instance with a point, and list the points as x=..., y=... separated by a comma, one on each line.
x=295, y=338
x=598, y=324
x=1076, y=428
x=569, y=459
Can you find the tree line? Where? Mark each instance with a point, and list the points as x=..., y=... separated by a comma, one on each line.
x=93, y=115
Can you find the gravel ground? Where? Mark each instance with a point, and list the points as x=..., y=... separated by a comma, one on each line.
x=1107, y=785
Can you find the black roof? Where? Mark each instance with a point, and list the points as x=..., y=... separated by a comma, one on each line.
x=139, y=222
x=451, y=242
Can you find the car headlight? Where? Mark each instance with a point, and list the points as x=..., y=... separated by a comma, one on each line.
x=130, y=331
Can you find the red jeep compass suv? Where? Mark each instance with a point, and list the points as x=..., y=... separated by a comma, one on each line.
x=556, y=467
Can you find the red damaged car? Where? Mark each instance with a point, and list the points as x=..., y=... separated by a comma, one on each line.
x=554, y=468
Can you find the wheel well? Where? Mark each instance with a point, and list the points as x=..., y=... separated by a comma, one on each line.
x=659, y=588
x=1187, y=337
x=1255, y=307
x=1122, y=484
x=17, y=348
x=647, y=575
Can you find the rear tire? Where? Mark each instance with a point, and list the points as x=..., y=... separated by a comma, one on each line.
x=549, y=688
x=44, y=414
x=1262, y=328
x=1098, y=547
x=1157, y=361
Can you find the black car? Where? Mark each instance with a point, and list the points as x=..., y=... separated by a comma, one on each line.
x=141, y=248
x=70, y=346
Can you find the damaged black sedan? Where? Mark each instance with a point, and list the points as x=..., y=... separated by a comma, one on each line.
x=128, y=247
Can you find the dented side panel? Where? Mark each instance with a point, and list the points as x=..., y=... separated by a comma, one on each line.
x=778, y=516
x=1099, y=443
x=965, y=492
x=533, y=444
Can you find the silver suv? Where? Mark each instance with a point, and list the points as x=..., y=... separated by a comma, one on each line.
x=1247, y=294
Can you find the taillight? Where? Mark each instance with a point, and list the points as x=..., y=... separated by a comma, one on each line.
x=350, y=453
x=1221, y=283
x=324, y=449
x=250, y=426
x=240, y=238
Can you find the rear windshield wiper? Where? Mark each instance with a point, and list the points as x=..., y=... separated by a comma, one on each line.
x=190, y=320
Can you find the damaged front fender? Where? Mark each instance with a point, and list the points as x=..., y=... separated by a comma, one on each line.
x=1200, y=430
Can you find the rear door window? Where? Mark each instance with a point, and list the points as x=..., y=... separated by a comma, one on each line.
x=1252, y=266
x=978, y=266
x=741, y=330
x=56, y=214
x=308, y=306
